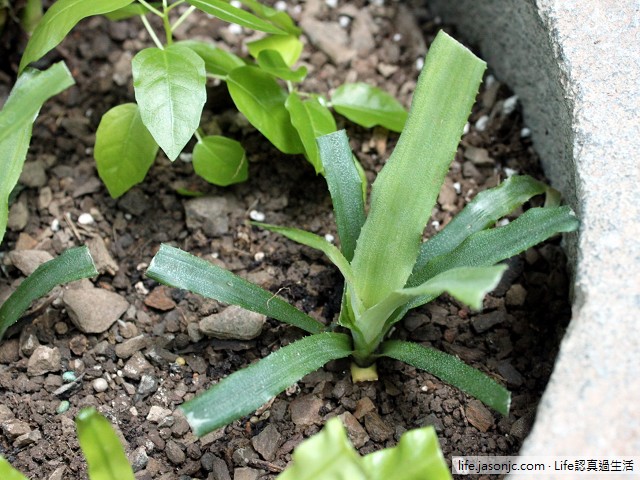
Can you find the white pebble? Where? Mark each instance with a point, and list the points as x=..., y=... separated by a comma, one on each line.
x=503, y=222
x=509, y=105
x=236, y=3
x=281, y=6
x=525, y=132
x=128, y=216
x=331, y=3
x=419, y=63
x=100, y=385
x=377, y=3
x=457, y=187
x=141, y=289
x=55, y=225
x=397, y=37
x=466, y=128
x=344, y=21
x=186, y=157
x=85, y=219
x=235, y=29
x=257, y=216
x=490, y=80
x=481, y=123
x=436, y=224
x=510, y=172
x=259, y=256
x=329, y=238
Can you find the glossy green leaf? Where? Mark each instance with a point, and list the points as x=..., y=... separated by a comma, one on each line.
x=288, y=46
x=452, y=370
x=176, y=268
x=124, y=149
x=101, y=447
x=7, y=472
x=272, y=62
x=229, y=13
x=31, y=15
x=281, y=19
x=259, y=97
x=216, y=60
x=369, y=106
x=59, y=20
x=71, y=265
x=345, y=186
x=483, y=211
x=31, y=90
x=132, y=10
x=244, y=391
x=220, y=160
x=407, y=187
x=314, y=241
x=311, y=119
x=170, y=88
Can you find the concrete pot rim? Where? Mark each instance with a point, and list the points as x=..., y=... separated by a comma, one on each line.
x=576, y=72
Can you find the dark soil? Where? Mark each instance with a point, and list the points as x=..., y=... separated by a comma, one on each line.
x=514, y=339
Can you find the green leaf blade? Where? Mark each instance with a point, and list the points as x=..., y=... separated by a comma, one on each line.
x=369, y=106
x=124, y=149
x=220, y=160
x=271, y=62
x=59, y=20
x=176, y=268
x=346, y=186
x=259, y=97
x=280, y=19
x=170, y=89
x=7, y=472
x=101, y=447
x=452, y=370
x=216, y=60
x=229, y=13
x=244, y=391
x=71, y=265
x=390, y=239
x=288, y=46
x=311, y=119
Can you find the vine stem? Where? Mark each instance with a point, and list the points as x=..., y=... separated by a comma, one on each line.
x=182, y=17
x=166, y=23
x=152, y=33
x=151, y=8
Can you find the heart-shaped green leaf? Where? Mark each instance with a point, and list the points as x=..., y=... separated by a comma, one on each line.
x=124, y=150
x=312, y=120
x=271, y=61
x=220, y=160
x=369, y=106
x=288, y=46
x=229, y=13
x=59, y=20
x=170, y=88
x=216, y=60
x=259, y=97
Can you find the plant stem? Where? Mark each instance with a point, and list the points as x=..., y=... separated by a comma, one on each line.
x=152, y=33
x=151, y=8
x=182, y=17
x=199, y=134
x=175, y=4
x=166, y=23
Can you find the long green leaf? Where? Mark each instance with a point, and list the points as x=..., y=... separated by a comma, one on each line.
x=59, y=20
x=314, y=241
x=259, y=97
x=229, y=13
x=311, y=119
x=170, y=88
x=176, y=268
x=369, y=106
x=271, y=61
x=467, y=284
x=71, y=265
x=288, y=46
x=7, y=472
x=483, y=211
x=345, y=185
x=124, y=149
x=281, y=19
x=220, y=160
x=407, y=187
x=417, y=456
x=101, y=447
x=216, y=60
x=132, y=10
x=452, y=370
x=13, y=152
x=244, y=391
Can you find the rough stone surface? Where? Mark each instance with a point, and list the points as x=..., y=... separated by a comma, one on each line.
x=233, y=323
x=44, y=360
x=577, y=82
x=209, y=214
x=357, y=434
x=304, y=410
x=28, y=260
x=94, y=310
x=266, y=443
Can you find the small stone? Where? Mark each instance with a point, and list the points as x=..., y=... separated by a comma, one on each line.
x=94, y=310
x=63, y=406
x=27, y=261
x=174, y=453
x=139, y=459
x=13, y=428
x=516, y=295
x=34, y=436
x=478, y=415
x=68, y=377
x=478, y=156
x=26, y=242
x=510, y=374
x=9, y=351
x=218, y=469
x=28, y=341
x=58, y=473
x=363, y=406
x=233, y=323
x=100, y=385
x=148, y=385
x=246, y=473
x=136, y=366
x=160, y=299
x=44, y=360
x=378, y=430
x=86, y=219
x=131, y=346
x=78, y=344
x=5, y=413
x=208, y=213
x=329, y=37
x=266, y=443
x=134, y=202
x=305, y=410
x=482, y=323
x=357, y=434
x=33, y=174
x=522, y=426
x=101, y=256
x=18, y=216
x=156, y=414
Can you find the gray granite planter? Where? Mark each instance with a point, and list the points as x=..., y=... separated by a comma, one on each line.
x=575, y=67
